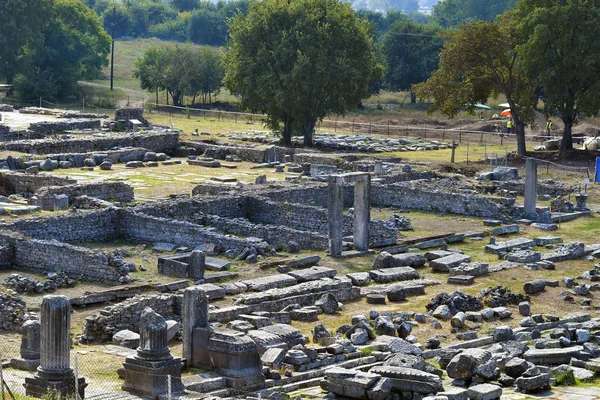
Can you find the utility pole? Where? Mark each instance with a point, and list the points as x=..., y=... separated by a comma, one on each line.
x=112, y=53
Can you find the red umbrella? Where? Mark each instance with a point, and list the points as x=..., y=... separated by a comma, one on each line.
x=506, y=113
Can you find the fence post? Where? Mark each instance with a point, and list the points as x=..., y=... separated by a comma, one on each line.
x=76, y=377
x=453, y=150
x=353, y=126
x=2, y=380
x=169, y=386
x=388, y=129
x=467, y=151
x=460, y=136
x=443, y=135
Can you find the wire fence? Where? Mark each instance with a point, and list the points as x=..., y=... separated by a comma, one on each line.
x=94, y=374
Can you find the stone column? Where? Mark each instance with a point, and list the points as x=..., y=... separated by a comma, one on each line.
x=530, y=189
x=378, y=169
x=54, y=372
x=147, y=372
x=195, y=327
x=362, y=213
x=30, y=347
x=196, y=265
x=335, y=215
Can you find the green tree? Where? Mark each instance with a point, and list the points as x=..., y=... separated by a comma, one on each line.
x=479, y=59
x=185, y=5
x=561, y=51
x=20, y=28
x=411, y=52
x=181, y=70
x=449, y=13
x=74, y=47
x=298, y=61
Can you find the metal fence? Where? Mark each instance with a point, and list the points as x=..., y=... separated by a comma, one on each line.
x=101, y=379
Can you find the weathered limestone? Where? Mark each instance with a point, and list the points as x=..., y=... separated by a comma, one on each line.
x=148, y=372
x=235, y=355
x=530, y=188
x=196, y=330
x=552, y=356
x=197, y=265
x=410, y=379
x=54, y=372
x=30, y=347
x=362, y=211
x=445, y=263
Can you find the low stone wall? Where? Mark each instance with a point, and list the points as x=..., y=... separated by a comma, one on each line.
x=404, y=196
x=44, y=127
x=22, y=183
x=251, y=154
x=230, y=206
x=317, y=158
x=163, y=142
x=110, y=191
x=123, y=155
x=76, y=262
x=275, y=235
x=146, y=228
x=126, y=315
x=82, y=226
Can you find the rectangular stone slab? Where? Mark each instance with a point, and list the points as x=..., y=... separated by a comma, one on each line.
x=213, y=292
x=552, y=356
x=216, y=264
x=508, y=245
x=312, y=273
x=394, y=274
x=269, y=282
x=445, y=263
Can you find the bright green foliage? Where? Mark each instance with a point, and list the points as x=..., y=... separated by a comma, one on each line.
x=298, y=61
x=480, y=60
x=411, y=52
x=449, y=13
x=562, y=51
x=71, y=45
x=20, y=26
x=181, y=70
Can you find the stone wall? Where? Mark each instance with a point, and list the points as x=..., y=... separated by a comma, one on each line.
x=123, y=155
x=76, y=262
x=110, y=191
x=317, y=158
x=276, y=235
x=22, y=183
x=251, y=154
x=230, y=206
x=146, y=228
x=404, y=196
x=163, y=142
x=126, y=315
x=81, y=226
x=44, y=127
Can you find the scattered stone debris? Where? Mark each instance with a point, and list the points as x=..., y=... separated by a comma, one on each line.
x=23, y=284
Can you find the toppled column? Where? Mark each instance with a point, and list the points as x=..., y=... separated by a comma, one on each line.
x=30, y=347
x=55, y=373
x=530, y=189
x=196, y=330
x=147, y=372
x=534, y=287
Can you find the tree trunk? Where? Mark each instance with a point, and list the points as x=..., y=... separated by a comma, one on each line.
x=520, y=132
x=167, y=97
x=309, y=127
x=567, y=139
x=156, y=97
x=286, y=137
x=413, y=97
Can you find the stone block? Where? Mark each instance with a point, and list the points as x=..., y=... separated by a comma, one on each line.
x=312, y=273
x=394, y=274
x=445, y=263
x=464, y=280
x=485, y=391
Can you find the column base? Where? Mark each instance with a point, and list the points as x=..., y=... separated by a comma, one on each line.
x=63, y=385
x=150, y=378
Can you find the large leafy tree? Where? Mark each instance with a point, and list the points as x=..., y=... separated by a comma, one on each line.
x=298, y=61
x=20, y=27
x=411, y=52
x=181, y=70
x=72, y=46
x=479, y=59
x=562, y=52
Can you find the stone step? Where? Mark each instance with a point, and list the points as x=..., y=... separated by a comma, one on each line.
x=197, y=383
x=591, y=365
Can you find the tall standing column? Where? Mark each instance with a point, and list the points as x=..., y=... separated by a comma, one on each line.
x=54, y=372
x=530, y=189
x=362, y=213
x=335, y=215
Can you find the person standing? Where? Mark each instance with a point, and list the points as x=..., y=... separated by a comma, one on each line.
x=548, y=126
x=509, y=125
